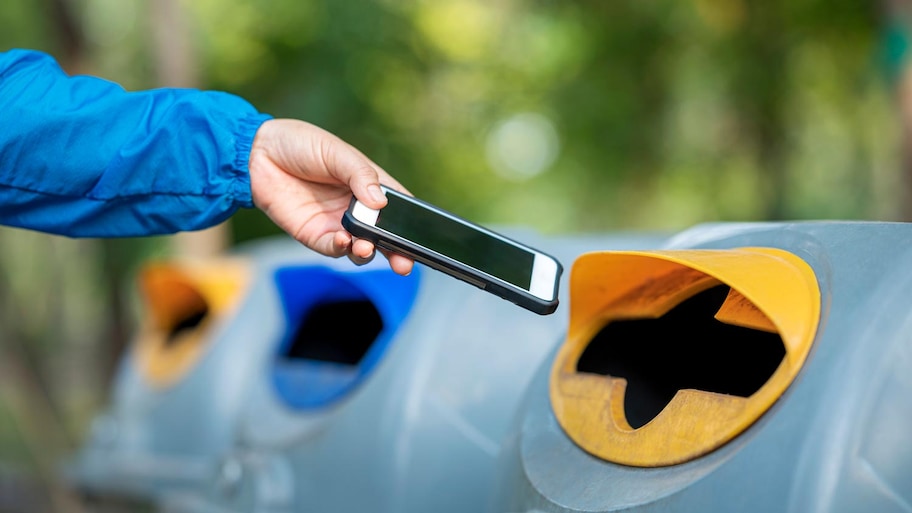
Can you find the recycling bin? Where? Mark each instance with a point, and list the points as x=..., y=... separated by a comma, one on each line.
x=740, y=367
x=423, y=431
x=313, y=327
x=733, y=366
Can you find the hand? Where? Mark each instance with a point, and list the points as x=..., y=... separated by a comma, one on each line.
x=303, y=178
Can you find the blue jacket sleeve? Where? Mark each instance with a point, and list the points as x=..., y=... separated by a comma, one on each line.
x=82, y=157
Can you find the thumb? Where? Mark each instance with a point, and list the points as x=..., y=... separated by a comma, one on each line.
x=351, y=167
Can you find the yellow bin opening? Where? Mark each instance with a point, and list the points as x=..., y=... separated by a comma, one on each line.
x=707, y=339
x=182, y=301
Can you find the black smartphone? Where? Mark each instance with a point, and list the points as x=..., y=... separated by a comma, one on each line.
x=446, y=242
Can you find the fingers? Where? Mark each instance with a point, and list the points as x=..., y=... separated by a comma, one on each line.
x=341, y=245
x=363, y=251
x=345, y=164
x=359, y=251
x=387, y=180
x=292, y=163
x=351, y=167
x=400, y=264
x=364, y=183
x=360, y=261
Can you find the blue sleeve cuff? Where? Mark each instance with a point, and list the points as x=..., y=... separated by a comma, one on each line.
x=246, y=132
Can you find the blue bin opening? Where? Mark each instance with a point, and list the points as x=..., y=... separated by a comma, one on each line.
x=338, y=326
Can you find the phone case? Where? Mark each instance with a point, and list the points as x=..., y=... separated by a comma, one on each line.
x=385, y=240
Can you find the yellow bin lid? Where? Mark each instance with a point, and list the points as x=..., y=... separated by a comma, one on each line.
x=182, y=301
x=771, y=290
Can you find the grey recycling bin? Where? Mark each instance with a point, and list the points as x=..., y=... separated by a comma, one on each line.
x=211, y=329
x=742, y=367
x=423, y=433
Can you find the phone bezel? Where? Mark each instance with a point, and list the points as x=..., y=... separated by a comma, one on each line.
x=545, y=272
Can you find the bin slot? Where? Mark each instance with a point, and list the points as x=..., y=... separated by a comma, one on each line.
x=182, y=303
x=687, y=348
x=186, y=323
x=672, y=353
x=338, y=331
x=338, y=327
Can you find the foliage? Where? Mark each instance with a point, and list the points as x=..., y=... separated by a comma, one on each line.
x=662, y=116
x=561, y=116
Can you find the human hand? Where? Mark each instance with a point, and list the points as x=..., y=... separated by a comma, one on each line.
x=303, y=178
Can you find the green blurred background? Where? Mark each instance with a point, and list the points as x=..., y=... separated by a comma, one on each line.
x=561, y=116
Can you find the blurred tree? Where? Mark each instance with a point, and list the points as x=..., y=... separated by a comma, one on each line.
x=657, y=116
x=896, y=63
x=38, y=414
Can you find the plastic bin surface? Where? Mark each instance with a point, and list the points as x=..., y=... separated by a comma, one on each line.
x=836, y=438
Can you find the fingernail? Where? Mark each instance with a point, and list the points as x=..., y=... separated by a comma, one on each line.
x=375, y=193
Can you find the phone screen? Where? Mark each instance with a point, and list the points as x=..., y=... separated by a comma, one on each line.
x=449, y=237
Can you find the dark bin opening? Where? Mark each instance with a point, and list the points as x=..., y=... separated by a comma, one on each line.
x=338, y=331
x=182, y=305
x=186, y=323
x=338, y=327
x=687, y=348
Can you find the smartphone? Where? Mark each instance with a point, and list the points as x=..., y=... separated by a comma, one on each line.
x=448, y=243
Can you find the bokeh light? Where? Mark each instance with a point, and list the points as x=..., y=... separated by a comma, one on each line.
x=522, y=146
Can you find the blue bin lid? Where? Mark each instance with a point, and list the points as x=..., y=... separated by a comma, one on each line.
x=307, y=384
